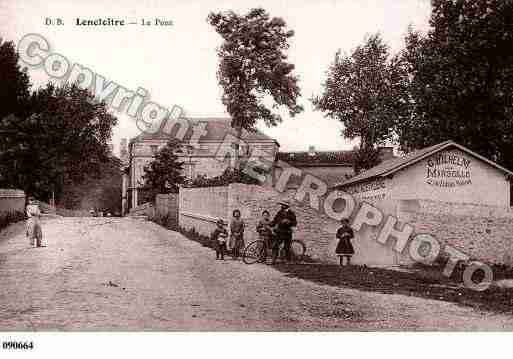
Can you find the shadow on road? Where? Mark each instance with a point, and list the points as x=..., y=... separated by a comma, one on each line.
x=425, y=283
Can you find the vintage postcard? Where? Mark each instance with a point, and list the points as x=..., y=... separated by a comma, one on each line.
x=255, y=166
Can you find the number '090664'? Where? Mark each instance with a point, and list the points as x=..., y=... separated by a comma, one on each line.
x=17, y=345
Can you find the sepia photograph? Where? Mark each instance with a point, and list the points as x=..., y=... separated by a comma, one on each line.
x=258, y=170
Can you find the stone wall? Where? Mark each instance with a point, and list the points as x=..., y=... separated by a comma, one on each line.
x=167, y=205
x=482, y=232
x=145, y=209
x=12, y=200
x=314, y=229
x=199, y=208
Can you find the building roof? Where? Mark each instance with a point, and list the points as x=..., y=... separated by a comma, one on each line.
x=216, y=130
x=391, y=166
x=317, y=158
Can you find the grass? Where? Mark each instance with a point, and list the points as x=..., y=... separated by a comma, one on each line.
x=6, y=218
x=427, y=282
x=166, y=221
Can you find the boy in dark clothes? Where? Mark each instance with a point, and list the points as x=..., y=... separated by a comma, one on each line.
x=344, y=247
x=219, y=236
x=265, y=232
x=283, y=222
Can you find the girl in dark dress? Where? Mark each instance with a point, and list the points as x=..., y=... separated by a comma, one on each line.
x=344, y=247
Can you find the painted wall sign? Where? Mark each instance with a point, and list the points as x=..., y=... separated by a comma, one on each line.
x=448, y=170
x=367, y=186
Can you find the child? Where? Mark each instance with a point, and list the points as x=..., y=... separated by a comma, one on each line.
x=237, y=234
x=219, y=236
x=344, y=247
x=265, y=232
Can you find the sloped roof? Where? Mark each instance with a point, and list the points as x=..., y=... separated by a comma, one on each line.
x=317, y=158
x=393, y=165
x=216, y=130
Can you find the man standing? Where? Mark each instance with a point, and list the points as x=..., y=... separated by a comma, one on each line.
x=283, y=222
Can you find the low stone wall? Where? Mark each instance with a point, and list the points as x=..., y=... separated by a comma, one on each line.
x=167, y=205
x=484, y=233
x=12, y=200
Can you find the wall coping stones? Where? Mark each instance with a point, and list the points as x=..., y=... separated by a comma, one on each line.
x=11, y=193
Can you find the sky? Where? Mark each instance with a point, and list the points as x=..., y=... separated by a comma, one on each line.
x=177, y=64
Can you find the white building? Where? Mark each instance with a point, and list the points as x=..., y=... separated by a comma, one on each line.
x=205, y=142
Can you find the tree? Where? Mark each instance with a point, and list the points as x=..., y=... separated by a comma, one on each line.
x=164, y=173
x=63, y=140
x=367, y=92
x=253, y=69
x=100, y=192
x=462, y=79
x=14, y=81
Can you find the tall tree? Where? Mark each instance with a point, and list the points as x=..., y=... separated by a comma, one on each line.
x=64, y=138
x=253, y=69
x=164, y=173
x=14, y=81
x=462, y=79
x=367, y=92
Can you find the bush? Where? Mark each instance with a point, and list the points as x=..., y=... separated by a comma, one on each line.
x=193, y=235
x=166, y=221
x=6, y=218
x=230, y=175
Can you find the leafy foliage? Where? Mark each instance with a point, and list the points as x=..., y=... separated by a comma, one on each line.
x=101, y=192
x=253, y=68
x=15, y=85
x=365, y=158
x=64, y=138
x=164, y=173
x=462, y=79
x=367, y=92
x=230, y=175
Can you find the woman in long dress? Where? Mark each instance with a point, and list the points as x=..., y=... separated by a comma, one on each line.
x=34, y=232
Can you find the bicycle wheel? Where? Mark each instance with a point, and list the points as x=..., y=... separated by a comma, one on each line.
x=297, y=250
x=253, y=252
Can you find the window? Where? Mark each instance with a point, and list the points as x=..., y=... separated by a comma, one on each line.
x=154, y=149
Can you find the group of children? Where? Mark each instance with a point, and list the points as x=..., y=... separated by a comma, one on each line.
x=265, y=230
x=220, y=236
x=236, y=238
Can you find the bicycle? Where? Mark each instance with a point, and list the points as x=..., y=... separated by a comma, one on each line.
x=256, y=251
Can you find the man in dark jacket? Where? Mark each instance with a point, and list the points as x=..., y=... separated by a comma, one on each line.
x=283, y=222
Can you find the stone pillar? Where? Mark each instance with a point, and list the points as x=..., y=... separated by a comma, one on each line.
x=134, y=197
x=124, y=203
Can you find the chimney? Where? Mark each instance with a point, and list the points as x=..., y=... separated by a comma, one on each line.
x=385, y=153
x=311, y=150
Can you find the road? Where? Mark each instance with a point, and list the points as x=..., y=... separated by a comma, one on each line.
x=128, y=274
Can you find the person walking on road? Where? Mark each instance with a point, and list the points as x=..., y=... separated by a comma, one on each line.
x=237, y=234
x=344, y=247
x=34, y=231
x=283, y=222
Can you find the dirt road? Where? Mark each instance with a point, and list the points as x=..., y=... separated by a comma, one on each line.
x=128, y=274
